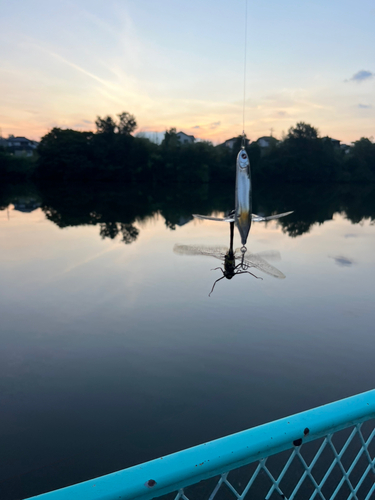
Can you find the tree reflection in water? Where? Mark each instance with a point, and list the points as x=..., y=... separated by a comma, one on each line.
x=112, y=229
x=116, y=209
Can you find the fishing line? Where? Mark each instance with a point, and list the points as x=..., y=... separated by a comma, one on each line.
x=244, y=79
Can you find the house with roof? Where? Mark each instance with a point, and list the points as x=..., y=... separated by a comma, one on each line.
x=26, y=204
x=21, y=146
x=334, y=142
x=266, y=141
x=345, y=148
x=229, y=143
x=184, y=138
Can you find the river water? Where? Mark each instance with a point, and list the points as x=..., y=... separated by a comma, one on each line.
x=113, y=353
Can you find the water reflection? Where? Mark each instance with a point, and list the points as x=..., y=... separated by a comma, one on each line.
x=26, y=205
x=108, y=351
x=119, y=210
x=343, y=261
x=113, y=229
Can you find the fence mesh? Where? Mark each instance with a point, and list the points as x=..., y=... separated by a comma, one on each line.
x=338, y=466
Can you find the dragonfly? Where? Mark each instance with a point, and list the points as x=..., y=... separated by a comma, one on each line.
x=229, y=257
x=242, y=215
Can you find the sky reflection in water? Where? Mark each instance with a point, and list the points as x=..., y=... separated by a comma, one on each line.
x=114, y=354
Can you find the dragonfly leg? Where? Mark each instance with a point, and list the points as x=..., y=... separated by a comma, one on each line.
x=214, y=285
x=216, y=268
x=248, y=272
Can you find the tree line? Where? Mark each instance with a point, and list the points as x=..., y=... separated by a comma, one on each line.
x=112, y=152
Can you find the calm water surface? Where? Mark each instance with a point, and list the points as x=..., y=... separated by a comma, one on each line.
x=113, y=353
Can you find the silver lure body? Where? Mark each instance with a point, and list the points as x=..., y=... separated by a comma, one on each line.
x=243, y=215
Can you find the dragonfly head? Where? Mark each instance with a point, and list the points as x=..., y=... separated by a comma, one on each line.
x=243, y=159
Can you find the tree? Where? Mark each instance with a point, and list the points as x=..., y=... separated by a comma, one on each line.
x=125, y=126
x=127, y=123
x=303, y=156
x=361, y=160
x=105, y=125
x=65, y=153
x=303, y=131
x=170, y=139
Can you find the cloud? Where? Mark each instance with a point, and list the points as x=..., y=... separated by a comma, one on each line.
x=282, y=113
x=214, y=125
x=364, y=106
x=83, y=124
x=196, y=126
x=361, y=76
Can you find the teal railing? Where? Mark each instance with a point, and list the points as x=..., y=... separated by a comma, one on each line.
x=324, y=453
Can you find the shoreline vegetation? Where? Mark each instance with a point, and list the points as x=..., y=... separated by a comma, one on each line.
x=112, y=153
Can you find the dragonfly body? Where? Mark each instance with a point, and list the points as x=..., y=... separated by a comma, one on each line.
x=229, y=265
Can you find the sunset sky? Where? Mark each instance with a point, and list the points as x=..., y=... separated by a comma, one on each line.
x=173, y=63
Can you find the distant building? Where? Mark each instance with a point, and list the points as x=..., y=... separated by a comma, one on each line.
x=184, y=138
x=26, y=205
x=266, y=142
x=345, y=148
x=229, y=143
x=21, y=146
x=184, y=220
x=335, y=142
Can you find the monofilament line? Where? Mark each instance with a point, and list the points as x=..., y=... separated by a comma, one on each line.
x=244, y=79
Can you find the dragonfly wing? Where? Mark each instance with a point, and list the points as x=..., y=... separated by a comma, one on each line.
x=266, y=254
x=259, y=218
x=217, y=252
x=270, y=255
x=255, y=260
x=229, y=218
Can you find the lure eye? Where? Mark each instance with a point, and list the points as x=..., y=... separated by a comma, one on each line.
x=243, y=156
